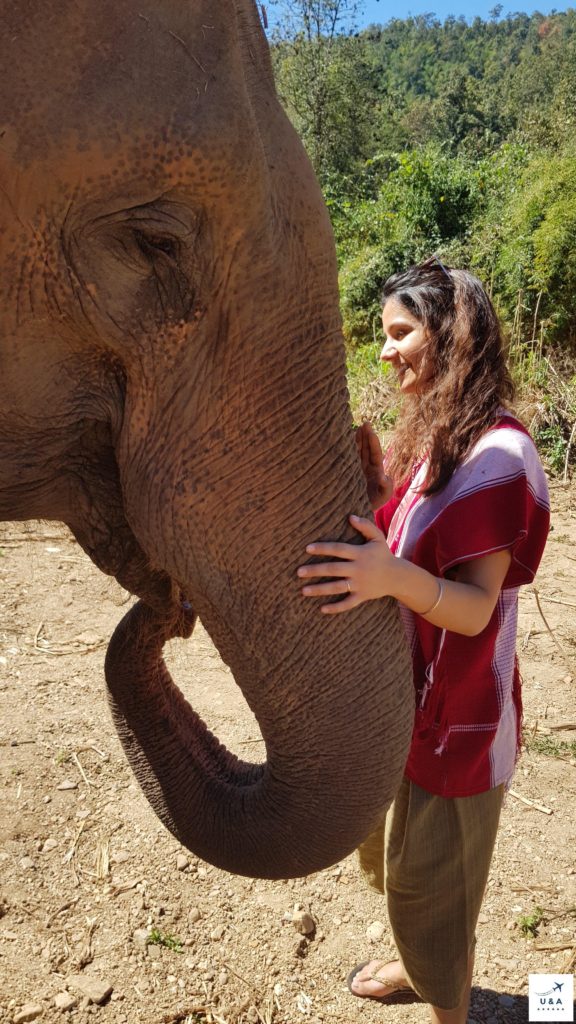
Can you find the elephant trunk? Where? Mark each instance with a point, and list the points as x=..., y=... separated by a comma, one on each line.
x=311, y=803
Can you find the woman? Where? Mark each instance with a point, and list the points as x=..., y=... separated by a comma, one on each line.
x=464, y=528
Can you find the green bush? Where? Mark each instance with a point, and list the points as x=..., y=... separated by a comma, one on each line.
x=424, y=204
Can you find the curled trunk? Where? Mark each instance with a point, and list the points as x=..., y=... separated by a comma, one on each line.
x=307, y=806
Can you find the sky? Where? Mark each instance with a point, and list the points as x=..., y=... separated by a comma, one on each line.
x=380, y=11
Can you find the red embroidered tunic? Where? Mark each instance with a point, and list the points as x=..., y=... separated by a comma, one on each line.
x=468, y=701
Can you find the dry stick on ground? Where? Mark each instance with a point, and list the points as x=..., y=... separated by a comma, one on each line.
x=555, y=947
x=271, y=1001
x=537, y=889
x=65, y=906
x=565, y=656
x=35, y=537
x=180, y=1016
x=566, y=912
x=103, y=860
x=87, y=956
x=531, y=803
x=557, y=757
x=101, y=753
x=16, y=743
x=557, y=600
x=37, y=636
x=80, y=769
x=69, y=856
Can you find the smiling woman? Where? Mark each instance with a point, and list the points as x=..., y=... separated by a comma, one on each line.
x=464, y=528
x=406, y=346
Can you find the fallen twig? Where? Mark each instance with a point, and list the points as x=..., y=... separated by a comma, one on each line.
x=557, y=600
x=101, y=753
x=65, y=906
x=554, y=947
x=16, y=743
x=37, y=636
x=70, y=853
x=566, y=912
x=239, y=976
x=87, y=956
x=565, y=656
x=35, y=537
x=531, y=803
x=80, y=769
x=103, y=860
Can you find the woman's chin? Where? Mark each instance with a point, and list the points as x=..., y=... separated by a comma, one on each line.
x=408, y=385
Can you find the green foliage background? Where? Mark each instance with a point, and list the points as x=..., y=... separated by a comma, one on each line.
x=452, y=138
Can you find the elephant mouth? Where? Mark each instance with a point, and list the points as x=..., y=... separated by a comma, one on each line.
x=97, y=518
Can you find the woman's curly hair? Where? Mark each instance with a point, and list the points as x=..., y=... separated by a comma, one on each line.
x=470, y=382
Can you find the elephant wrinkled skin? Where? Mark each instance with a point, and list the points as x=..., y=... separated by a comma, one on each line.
x=173, y=389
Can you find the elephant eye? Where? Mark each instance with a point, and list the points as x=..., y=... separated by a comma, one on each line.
x=157, y=245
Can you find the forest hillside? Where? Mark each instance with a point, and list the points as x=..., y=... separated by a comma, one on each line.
x=456, y=138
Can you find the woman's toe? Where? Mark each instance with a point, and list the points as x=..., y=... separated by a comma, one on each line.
x=378, y=979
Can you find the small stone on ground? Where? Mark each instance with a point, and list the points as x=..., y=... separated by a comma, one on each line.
x=94, y=989
x=29, y=1012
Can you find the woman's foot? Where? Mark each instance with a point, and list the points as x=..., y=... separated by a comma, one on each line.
x=377, y=980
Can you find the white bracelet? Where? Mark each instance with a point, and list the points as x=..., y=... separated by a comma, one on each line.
x=437, y=601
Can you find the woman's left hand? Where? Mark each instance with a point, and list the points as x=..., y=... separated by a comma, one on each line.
x=365, y=574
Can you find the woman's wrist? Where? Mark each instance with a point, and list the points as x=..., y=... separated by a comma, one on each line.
x=438, y=599
x=417, y=588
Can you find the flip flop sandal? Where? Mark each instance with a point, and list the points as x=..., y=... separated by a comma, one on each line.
x=399, y=993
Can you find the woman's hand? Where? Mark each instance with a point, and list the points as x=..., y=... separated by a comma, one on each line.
x=366, y=573
x=378, y=484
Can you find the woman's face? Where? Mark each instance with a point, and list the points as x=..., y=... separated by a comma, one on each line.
x=405, y=347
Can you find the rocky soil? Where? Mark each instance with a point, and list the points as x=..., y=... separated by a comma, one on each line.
x=104, y=918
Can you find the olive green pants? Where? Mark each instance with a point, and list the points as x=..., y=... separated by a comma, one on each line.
x=431, y=857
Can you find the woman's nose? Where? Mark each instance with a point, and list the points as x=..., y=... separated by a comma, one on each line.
x=389, y=352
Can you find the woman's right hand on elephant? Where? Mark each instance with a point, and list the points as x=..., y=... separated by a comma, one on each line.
x=378, y=484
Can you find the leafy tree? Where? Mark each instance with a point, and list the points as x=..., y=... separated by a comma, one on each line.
x=424, y=204
x=537, y=251
x=452, y=137
x=324, y=81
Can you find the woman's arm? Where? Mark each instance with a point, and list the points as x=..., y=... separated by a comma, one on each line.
x=371, y=571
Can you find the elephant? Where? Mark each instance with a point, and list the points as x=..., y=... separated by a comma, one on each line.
x=174, y=391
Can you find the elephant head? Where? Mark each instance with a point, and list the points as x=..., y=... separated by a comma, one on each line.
x=173, y=389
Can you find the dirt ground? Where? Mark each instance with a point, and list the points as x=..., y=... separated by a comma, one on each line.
x=88, y=876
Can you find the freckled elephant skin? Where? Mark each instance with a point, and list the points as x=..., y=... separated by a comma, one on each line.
x=173, y=388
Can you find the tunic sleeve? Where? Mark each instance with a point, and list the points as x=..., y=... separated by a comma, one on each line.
x=497, y=500
x=384, y=515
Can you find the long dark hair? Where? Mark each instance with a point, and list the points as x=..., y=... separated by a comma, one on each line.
x=469, y=383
